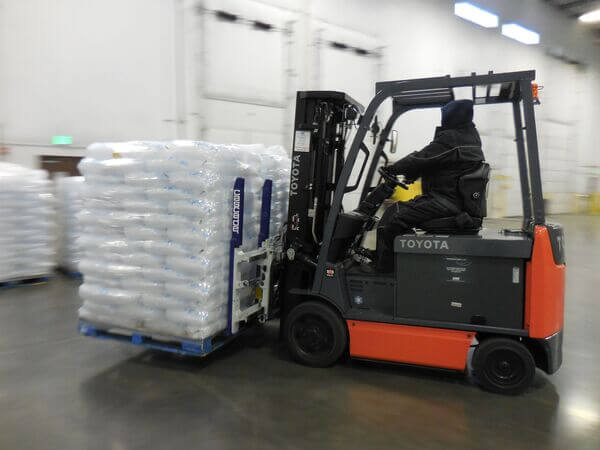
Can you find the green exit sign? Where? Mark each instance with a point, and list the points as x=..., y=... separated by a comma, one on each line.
x=62, y=140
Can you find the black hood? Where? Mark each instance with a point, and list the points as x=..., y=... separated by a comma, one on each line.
x=457, y=113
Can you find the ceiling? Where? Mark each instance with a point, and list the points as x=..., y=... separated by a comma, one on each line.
x=575, y=8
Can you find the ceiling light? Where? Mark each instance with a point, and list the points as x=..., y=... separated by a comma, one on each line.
x=475, y=14
x=592, y=16
x=521, y=34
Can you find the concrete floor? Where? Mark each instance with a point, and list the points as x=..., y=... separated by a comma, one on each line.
x=59, y=390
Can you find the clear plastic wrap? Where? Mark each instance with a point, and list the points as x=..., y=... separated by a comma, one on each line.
x=156, y=230
x=69, y=200
x=26, y=223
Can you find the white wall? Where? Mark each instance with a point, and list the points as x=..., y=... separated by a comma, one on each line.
x=142, y=69
x=95, y=70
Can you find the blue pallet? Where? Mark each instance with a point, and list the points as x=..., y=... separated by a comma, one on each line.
x=23, y=282
x=74, y=275
x=181, y=347
x=70, y=273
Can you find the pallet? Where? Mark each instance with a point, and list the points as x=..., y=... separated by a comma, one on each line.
x=70, y=274
x=186, y=347
x=20, y=282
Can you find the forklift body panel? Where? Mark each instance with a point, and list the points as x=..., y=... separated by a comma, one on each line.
x=446, y=349
x=544, y=312
x=475, y=279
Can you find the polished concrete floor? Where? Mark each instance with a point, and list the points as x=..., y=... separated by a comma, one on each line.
x=59, y=390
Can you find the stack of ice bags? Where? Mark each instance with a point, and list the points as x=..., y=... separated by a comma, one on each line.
x=26, y=223
x=69, y=191
x=156, y=228
x=276, y=167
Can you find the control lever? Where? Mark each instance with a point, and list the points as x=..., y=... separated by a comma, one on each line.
x=392, y=179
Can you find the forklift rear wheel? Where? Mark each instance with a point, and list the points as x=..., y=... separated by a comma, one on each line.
x=315, y=334
x=504, y=366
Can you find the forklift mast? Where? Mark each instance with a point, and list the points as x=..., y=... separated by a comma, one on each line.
x=322, y=124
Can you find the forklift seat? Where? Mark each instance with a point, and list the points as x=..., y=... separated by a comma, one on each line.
x=460, y=224
x=473, y=189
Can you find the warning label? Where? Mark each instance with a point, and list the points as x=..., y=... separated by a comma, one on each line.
x=456, y=269
x=302, y=141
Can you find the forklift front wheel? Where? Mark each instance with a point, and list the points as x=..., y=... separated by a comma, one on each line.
x=504, y=366
x=315, y=334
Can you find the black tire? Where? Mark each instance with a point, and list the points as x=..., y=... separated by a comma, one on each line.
x=315, y=334
x=504, y=366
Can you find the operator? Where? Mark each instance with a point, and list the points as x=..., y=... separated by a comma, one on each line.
x=455, y=149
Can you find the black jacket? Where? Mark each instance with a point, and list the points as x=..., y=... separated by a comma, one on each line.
x=452, y=152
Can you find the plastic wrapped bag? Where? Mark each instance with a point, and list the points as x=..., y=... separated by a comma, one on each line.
x=156, y=228
x=69, y=199
x=27, y=223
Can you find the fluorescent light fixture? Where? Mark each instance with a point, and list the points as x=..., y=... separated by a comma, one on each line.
x=521, y=34
x=475, y=14
x=591, y=17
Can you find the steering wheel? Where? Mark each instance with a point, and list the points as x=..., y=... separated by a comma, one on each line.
x=392, y=179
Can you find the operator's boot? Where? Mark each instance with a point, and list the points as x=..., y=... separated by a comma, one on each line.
x=364, y=255
x=366, y=259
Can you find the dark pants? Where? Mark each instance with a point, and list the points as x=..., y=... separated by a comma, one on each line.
x=400, y=218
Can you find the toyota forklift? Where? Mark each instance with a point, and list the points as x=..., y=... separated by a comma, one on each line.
x=455, y=284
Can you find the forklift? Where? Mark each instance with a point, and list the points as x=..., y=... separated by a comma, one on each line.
x=455, y=284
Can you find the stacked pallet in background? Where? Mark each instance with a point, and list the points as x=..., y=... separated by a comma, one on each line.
x=156, y=229
x=69, y=191
x=26, y=223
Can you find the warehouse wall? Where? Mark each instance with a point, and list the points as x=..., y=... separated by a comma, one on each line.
x=159, y=69
x=94, y=70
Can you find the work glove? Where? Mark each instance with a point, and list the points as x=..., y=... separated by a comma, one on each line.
x=391, y=170
x=410, y=180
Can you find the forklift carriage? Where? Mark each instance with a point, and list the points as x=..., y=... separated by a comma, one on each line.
x=502, y=290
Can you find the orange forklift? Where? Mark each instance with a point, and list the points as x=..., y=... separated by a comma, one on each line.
x=455, y=285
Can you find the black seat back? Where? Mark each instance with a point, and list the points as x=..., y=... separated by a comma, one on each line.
x=473, y=189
